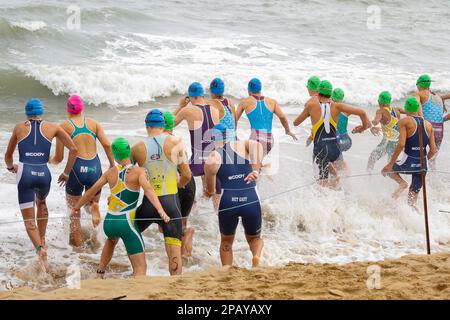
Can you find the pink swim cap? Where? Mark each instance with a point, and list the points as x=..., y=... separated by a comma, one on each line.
x=74, y=105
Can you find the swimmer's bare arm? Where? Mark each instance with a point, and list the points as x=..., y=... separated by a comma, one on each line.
x=212, y=166
x=400, y=146
x=64, y=137
x=138, y=153
x=92, y=191
x=184, y=101
x=58, y=157
x=433, y=149
x=302, y=116
x=233, y=109
x=255, y=151
x=151, y=195
x=242, y=106
x=182, y=162
x=447, y=117
x=349, y=109
x=9, y=159
x=106, y=144
x=284, y=120
x=378, y=116
x=180, y=115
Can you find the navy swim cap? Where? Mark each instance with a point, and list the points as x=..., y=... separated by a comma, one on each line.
x=154, y=118
x=217, y=87
x=254, y=86
x=196, y=90
x=34, y=107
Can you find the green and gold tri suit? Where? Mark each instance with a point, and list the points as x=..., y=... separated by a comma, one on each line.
x=120, y=219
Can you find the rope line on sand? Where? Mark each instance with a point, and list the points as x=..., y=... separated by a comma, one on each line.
x=214, y=211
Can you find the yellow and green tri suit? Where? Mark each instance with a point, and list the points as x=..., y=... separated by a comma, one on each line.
x=326, y=148
x=163, y=176
x=388, y=143
x=120, y=219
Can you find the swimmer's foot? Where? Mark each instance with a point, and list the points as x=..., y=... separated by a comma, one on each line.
x=400, y=189
x=255, y=262
x=95, y=211
x=42, y=253
x=187, y=240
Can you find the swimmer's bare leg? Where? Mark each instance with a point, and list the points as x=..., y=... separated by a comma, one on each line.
x=402, y=184
x=75, y=238
x=412, y=199
x=139, y=264
x=334, y=179
x=42, y=219
x=226, y=249
x=188, y=234
x=256, y=245
x=174, y=256
x=28, y=215
x=93, y=209
x=107, y=254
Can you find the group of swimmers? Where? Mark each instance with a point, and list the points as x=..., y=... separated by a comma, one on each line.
x=229, y=167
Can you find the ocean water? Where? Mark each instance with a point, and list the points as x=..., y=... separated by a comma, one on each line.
x=127, y=57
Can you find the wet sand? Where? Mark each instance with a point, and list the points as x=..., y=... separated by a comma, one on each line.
x=410, y=277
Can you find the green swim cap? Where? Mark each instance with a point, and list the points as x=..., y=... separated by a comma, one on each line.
x=412, y=105
x=325, y=88
x=169, y=120
x=424, y=81
x=313, y=83
x=121, y=149
x=337, y=95
x=384, y=99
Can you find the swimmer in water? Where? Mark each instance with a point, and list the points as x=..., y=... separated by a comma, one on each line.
x=324, y=114
x=388, y=117
x=226, y=108
x=34, y=140
x=411, y=128
x=87, y=169
x=125, y=181
x=161, y=154
x=186, y=196
x=260, y=111
x=236, y=164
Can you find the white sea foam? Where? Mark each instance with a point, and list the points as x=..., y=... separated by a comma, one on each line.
x=29, y=25
x=141, y=67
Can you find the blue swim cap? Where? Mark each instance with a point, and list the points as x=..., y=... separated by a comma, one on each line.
x=196, y=90
x=254, y=86
x=217, y=87
x=34, y=107
x=154, y=118
x=219, y=132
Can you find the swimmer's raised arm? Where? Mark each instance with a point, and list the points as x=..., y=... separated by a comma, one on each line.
x=349, y=109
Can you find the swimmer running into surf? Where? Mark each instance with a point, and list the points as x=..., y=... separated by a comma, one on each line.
x=125, y=181
x=87, y=169
x=343, y=139
x=324, y=114
x=226, y=108
x=260, y=111
x=388, y=117
x=411, y=128
x=161, y=154
x=34, y=140
x=236, y=164
x=186, y=195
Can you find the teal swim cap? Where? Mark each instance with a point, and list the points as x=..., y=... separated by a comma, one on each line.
x=254, y=86
x=34, y=107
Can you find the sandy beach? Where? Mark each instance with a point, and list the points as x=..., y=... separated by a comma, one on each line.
x=410, y=277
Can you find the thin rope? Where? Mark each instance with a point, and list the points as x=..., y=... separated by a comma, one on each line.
x=214, y=211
